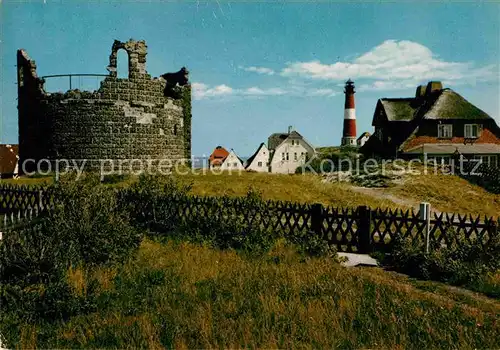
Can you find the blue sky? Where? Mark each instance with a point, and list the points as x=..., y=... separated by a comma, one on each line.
x=257, y=67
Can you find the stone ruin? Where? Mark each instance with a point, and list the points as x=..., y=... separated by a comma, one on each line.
x=140, y=118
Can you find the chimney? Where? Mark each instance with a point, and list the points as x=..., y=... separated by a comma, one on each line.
x=420, y=91
x=349, y=132
x=290, y=128
x=433, y=86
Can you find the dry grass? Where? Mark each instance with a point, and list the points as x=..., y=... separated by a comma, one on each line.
x=295, y=188
x=180, y=295
x=446, y=193
x=449, y=193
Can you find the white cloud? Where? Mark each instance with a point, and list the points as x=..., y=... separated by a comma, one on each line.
x=259, y=70
x=394, y=64
x=203, y=91
x=322, y=92
x=256, y=91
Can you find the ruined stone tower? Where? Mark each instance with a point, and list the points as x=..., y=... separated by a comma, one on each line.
x=140, y=118
x=349, y=132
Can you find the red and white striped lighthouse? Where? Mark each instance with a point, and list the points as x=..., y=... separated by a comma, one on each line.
x=349, y=133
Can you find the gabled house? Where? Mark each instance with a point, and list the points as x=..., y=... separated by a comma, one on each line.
x=259, y=161
x=437, y=123
x=232, y=162
x=288, y=151
x=9, y=156
x=217, y=157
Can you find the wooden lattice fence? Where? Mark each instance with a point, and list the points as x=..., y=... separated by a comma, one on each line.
x=358, y=229
x=15, y=198
x=444, y=229
x=17, y=220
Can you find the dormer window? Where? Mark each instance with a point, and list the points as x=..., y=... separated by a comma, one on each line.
x=471, y=131
x=445, y=131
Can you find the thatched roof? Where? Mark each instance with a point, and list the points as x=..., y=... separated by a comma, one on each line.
x=399, y=109
x=436, y=105
x=450, y=105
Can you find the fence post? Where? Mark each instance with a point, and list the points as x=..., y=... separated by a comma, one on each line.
x=40, y=200
x=364, y=228
x=425, y=214
x=317, y=218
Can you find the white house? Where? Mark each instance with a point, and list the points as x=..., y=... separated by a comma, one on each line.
x=288, y=152
x=259, y=161
x=363, y=138
x=232, y=162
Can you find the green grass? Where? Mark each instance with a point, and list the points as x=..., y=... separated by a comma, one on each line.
x=180, y=295
x=446, y=193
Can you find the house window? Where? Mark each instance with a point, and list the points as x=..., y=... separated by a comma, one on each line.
x=488, y=160
x=293, y=142
x=471, y=131
x=287, y=156
x=235, y=165
x=259, y=164
x=282, y=156
x=295, y=156
x=297, y=142
x=445, y=131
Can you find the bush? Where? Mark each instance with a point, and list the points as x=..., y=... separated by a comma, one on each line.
x=231, y=232
x=92, y=226
x=151, y=203
x=85, y=227
x=464, y=263
x=157, y=205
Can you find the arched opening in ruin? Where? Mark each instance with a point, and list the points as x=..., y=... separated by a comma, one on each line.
x=122, y=64
x=175, y=129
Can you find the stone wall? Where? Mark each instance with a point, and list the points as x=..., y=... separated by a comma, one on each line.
x=125, y=119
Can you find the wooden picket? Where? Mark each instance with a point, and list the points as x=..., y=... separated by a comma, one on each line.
x=358, y=229
x=17, y=220
x=15, y=198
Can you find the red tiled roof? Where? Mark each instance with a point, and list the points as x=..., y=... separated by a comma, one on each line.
x=218, y=155
x=8, y=158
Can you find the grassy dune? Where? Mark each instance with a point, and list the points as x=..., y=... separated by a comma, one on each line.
x=295, y=188
x=179, y=295
x=450, y=194
x=446, y=193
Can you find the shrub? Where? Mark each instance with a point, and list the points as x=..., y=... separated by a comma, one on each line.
x=84, y=227
x=165, y=209
x=91, y=224
x=150, y=203
x=463, y=263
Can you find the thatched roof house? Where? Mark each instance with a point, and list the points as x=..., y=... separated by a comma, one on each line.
x=436, y=115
